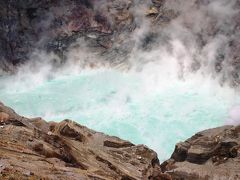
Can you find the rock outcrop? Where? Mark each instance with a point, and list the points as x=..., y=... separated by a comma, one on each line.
x=36, y=149
x=210, y=154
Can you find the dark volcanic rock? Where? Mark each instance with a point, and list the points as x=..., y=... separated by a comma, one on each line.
x=210, y=154
x=53, y=26
x=108, y=29
x=36, y=149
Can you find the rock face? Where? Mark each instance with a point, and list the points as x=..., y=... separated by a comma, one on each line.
x=115, y=31
x=35, y=149
x=54, y=26
x=210, y=154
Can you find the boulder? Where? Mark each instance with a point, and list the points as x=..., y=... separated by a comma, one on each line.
x=210, y=154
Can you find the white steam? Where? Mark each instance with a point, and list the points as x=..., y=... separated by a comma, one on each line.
x=186, y=48
x=234, y=116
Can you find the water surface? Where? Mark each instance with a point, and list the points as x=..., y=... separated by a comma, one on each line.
x=124, y=104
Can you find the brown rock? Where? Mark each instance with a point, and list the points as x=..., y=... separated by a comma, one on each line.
x=67, y=150
x=116, y=144
x=3, y=117
x=210, y=154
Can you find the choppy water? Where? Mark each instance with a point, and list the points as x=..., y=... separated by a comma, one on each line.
x=144, y=110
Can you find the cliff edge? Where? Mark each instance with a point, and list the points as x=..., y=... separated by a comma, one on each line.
x=36, y=149
x=210, y=154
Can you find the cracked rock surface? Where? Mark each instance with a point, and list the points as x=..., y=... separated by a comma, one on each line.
x=210, y=154
x=35, y=149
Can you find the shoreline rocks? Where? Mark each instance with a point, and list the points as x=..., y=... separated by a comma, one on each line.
x=210, y=154
x=35, y=149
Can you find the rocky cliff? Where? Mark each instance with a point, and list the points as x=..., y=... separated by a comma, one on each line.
x=115, y=31
x=210, y=154
x=36, y=149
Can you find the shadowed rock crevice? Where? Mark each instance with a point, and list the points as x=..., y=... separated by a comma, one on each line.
x=116, y=144
x=69, y=132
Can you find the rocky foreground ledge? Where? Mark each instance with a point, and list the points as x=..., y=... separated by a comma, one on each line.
x=210, y=154
x=36, y=149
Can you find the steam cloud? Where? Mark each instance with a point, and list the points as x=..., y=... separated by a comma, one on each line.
x=190, y=39
x=234, y=116
x=198, y=40
x=191, y=36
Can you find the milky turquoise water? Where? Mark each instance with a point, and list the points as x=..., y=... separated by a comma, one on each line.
x=129, y=105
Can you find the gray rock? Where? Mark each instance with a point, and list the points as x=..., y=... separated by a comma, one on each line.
x=210, y=154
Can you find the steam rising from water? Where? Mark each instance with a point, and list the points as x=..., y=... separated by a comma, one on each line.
x=142, y=107
x=164, y=91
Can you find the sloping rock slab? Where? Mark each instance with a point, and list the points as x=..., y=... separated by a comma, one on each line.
x=35, y=149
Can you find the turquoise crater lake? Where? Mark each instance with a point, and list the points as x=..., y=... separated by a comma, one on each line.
x=143, y=110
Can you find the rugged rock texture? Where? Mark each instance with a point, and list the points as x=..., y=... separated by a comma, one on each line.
x=49, y=25
x=35, y=149
x=110, y=30
x=210, y=154
x=54, y=26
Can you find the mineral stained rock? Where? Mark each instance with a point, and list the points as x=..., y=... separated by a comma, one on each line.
x=210, y=154
x=36, y=149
